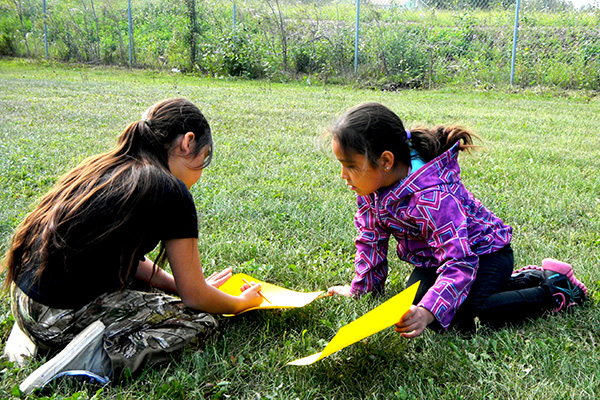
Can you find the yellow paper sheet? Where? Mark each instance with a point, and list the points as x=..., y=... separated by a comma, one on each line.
x=372, y=322
x=279, y=297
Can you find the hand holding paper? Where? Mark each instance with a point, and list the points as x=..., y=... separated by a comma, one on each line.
x=372, y=322
x=260, y=293
x=278, y=297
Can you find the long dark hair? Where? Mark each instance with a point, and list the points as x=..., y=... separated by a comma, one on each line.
x=130, y=172
x=372, y=128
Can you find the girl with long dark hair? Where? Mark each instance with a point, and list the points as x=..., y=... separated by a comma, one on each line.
x=80, y=256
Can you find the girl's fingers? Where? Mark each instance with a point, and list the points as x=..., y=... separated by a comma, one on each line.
x=411, y=334
x=340, y=290
x=409, y=314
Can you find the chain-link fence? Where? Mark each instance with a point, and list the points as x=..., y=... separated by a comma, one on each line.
x=381, y=43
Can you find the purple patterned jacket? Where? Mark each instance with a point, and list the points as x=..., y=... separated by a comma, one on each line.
x=437, y=223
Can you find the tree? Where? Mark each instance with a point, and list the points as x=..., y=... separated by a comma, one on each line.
x=19, y=7
x=275, y=7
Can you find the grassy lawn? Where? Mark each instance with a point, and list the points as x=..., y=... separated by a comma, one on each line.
x=272, y=205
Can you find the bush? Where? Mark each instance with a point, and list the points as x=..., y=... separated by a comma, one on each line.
x=239, y=58
x=7, y=45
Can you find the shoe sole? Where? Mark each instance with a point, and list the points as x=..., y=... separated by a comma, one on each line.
x=44, y=374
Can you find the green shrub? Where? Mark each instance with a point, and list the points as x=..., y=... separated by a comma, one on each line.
x=7, y=45
x=238, y=56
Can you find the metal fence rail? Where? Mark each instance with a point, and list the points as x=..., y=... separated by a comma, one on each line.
x=384, y=43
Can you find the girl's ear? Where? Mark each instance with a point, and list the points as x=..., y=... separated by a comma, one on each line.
x=187, y=143
x=386, y=160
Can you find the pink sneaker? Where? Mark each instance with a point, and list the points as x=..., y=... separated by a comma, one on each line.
x=566, y=289
x=550, y=264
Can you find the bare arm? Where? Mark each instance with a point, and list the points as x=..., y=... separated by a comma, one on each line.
x=161, y=279
x=194, y=290
x=164, y=281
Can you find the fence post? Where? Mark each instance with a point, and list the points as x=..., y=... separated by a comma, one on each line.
x=234, y=13
x=514, y=49
x=130, y=33
x=356, y=38
x=45, y=30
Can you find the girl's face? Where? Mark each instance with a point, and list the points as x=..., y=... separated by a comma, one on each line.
x=358, y=172
x=188, y=168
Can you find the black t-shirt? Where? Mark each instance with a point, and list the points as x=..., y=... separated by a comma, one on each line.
x=81, y=271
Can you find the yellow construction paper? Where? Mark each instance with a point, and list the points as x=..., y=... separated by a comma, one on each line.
x=372, y=322
x=279, y=297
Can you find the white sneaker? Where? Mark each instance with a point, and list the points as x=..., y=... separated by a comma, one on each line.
x=19, y=348
x=85, y=354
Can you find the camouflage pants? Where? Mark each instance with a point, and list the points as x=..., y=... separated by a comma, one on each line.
x=140, y=326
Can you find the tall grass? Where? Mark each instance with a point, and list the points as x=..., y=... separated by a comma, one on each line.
x=272, y=205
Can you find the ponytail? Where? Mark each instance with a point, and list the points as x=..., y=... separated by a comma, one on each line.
x=430, y=143
x=140, y=142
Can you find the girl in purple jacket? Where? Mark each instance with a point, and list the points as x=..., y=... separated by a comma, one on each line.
x=408, y=185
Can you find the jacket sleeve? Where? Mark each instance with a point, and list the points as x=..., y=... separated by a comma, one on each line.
x=444, y=226
x=370, y=261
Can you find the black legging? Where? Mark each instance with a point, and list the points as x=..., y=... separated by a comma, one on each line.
x=494, y=298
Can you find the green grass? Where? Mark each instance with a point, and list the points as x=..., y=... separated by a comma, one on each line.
x=273, y=205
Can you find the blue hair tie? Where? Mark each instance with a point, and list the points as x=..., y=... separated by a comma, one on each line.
x=407, y=134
